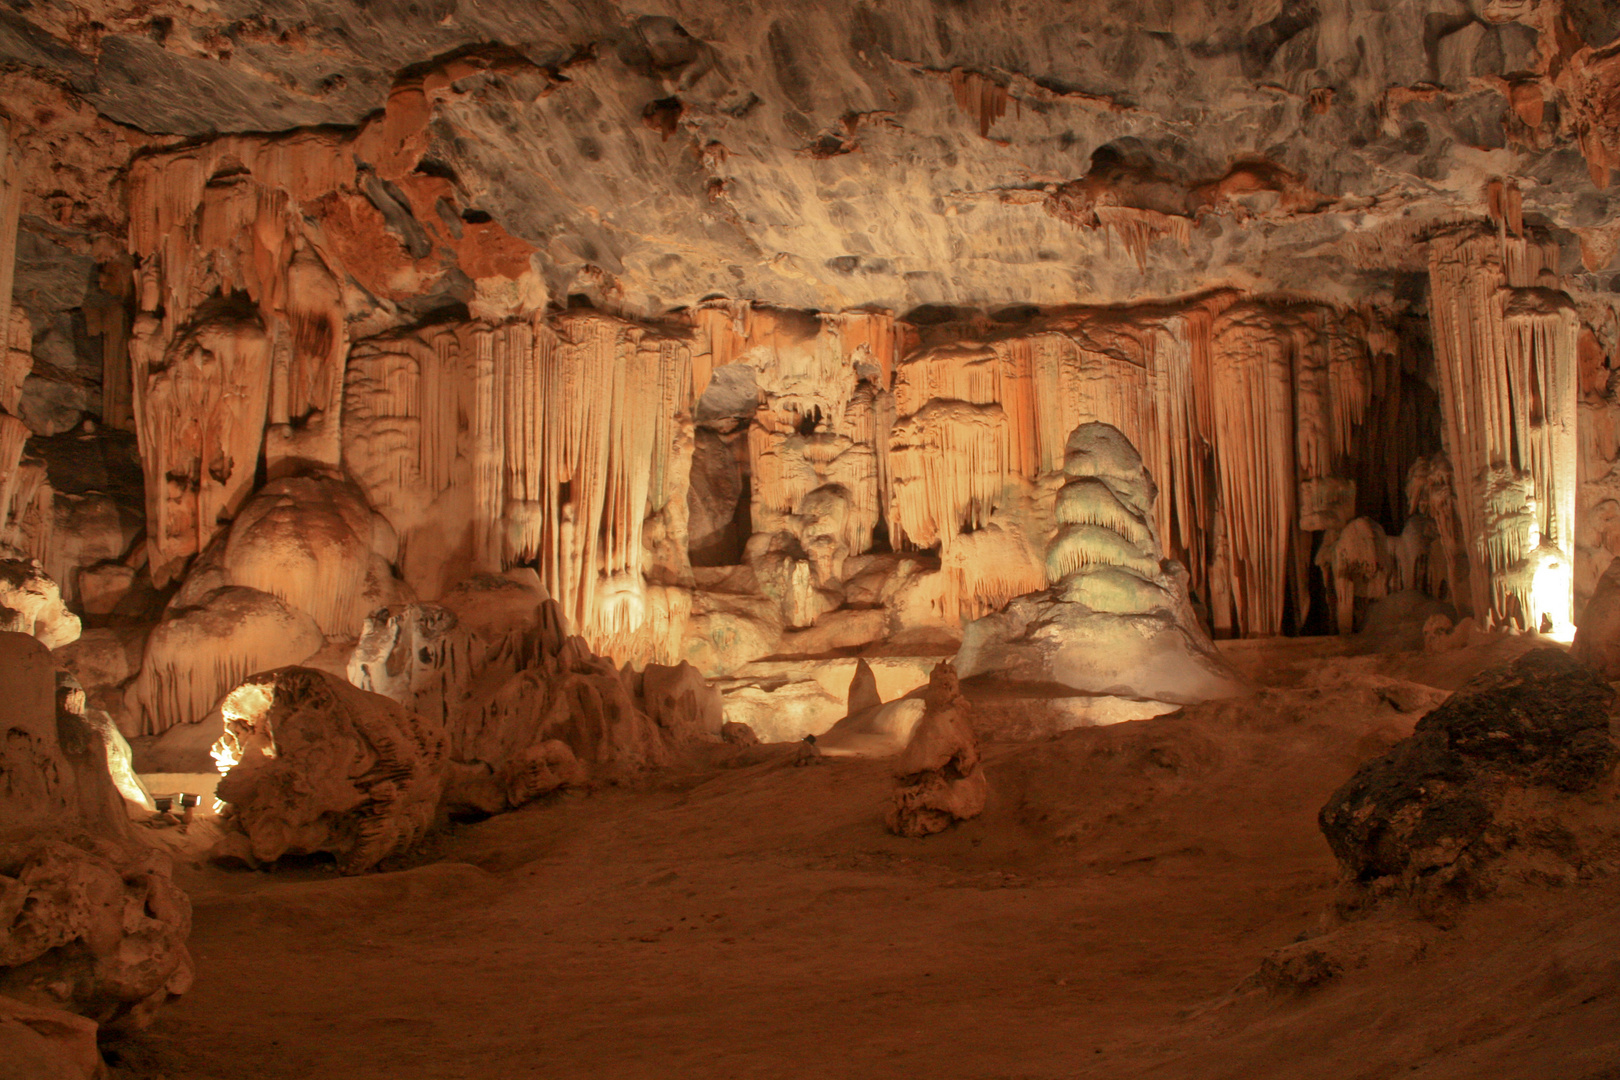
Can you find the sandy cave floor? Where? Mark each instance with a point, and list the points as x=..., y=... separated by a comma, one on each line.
x=743, y=917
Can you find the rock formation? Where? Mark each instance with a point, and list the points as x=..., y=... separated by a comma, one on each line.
x=1115, y=630
x=90, y=920
x=40, y=1043
x=658, y=310
x=1498, y=782
x=201, y=651
x=31, y=603
x=939, y=775
x=313, y=764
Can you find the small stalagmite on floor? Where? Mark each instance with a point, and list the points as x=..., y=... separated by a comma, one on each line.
x=941, y=781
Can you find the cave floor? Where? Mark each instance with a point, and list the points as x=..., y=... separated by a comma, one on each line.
x=743, y=917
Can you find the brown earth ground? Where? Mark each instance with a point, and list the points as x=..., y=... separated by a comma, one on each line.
x=744, y=917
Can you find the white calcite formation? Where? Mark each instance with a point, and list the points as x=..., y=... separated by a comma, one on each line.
x=1116, y=629
x=201, y=651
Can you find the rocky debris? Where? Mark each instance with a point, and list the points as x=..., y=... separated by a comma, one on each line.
x=1497, y=779
x=41, y=1043
x=92, y=926
x=317, y=765
x=31, y=603
x=1318, y=959
x=1116, y=621
x=940, y=778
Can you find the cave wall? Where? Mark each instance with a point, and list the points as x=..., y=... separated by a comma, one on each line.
x=762, y=335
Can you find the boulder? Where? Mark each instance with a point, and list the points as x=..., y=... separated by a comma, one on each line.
x=42, y=1043
x=939, y=775
x=318, y=765
x=92, y=926
x=89, y=920
x=1491, y=780
x=733, y=733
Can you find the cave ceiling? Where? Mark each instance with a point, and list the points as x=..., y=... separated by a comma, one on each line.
x=902, y=154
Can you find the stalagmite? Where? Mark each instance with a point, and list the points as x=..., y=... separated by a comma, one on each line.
x=939, y=776
x=1116, y=626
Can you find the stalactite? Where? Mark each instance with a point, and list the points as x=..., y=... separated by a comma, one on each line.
x=13, y=437
x=107, y=316
x=825, y=410
x=1507, y=347
x=200, y=406
x=1254, y=448
x=1206, y=389
x=1137, y=229
x=11, y=191
x=15, y=343
x=562, y=434
x=980, y=96
x=950, y=461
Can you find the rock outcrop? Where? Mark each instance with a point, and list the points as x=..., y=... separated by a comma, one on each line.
x=1597, y=638
x=95, y=927
x=42, y=1043
x=1504, y=778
